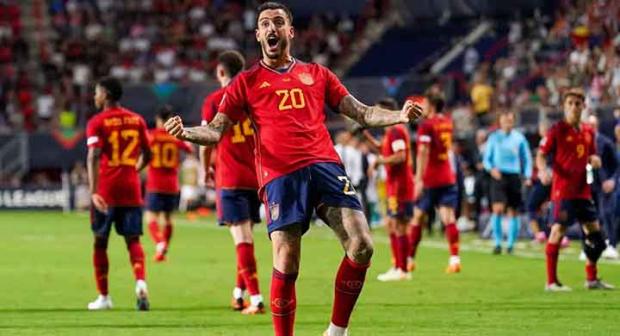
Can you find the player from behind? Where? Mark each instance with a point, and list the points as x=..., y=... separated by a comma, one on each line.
x=298, y=169
x=236, y=185
x=118, y=148
x=435, y=178
x=162, y=183
x=508, y=159
x=572, y=150
x=396, y=157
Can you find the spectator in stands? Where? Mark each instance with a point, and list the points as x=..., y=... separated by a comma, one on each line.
x=482, y=100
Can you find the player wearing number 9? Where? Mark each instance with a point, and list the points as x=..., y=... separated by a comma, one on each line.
x=118, y=148
x=162, y=182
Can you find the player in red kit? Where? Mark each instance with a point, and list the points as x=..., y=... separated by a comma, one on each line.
x=396, y=157
x=118, y=148
x=162, y=182
x=236, y=186
x=435, y=179
x=298, y=169
x=572, y=150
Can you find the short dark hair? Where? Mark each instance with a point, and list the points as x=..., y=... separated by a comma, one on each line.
x=574, y=92
x=113, y=88
x=274, y=5
x=436, y=100
x=232, y=61
x=388, y=103
x=165, y=112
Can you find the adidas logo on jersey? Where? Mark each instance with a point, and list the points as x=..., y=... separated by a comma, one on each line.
x=264, y=85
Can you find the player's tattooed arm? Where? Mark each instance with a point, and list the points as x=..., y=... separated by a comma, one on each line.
x=376, y=116
x=207, y=135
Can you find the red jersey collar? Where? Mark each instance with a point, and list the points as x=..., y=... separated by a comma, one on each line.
x=290, y=67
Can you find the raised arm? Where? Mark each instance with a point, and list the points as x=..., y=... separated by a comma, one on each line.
x=207, y=135
x=376, y=116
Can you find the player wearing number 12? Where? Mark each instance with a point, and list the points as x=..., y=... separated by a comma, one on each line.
x=236, y=186
x=298, y=169
x=118, y=147
x=162, y=182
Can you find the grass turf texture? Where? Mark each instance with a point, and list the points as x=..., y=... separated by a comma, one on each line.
x=47, y=279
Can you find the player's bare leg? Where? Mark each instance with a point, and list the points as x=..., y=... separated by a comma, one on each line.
x=354, y=234
x=552, y=252
x=241, y=233
x=286, y=245
x=415, y=236
x=496, y=224
x=446, y=214
x=593, y=246
x=100, y=262
x=136, y=258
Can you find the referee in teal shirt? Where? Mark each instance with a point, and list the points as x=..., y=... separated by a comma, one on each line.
x=508, y=159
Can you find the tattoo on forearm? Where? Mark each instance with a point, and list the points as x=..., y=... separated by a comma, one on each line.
x=368, y=116
x=209, y=134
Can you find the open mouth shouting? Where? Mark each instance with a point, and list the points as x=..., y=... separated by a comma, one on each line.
x=273, y=42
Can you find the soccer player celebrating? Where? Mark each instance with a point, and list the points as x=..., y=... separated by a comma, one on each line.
x=435, y=178
x=162, y=182
x=396, y=157
x=298, y=168
x=507, y=158
x=572, y=151
x=118, y=148
x=236, y=185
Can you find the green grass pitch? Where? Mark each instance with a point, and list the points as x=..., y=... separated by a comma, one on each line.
x=46, y=280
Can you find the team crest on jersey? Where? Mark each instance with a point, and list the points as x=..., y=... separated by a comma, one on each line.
x=274, y=211
x=306, y=78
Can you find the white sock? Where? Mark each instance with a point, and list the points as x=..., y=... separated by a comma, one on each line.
x=335, y=330
x=141, y=287
x=237, y=293
x=255, y=300
x=455, y=260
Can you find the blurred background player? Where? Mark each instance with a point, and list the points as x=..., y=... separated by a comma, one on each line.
x=508, y=160
x=118, y=148
x=297, y=165
x=604, y=186
x=435, y=178
x=538, y=196
x=572, y=147
x=236, y=185
x=162, y=182
x=396, y=157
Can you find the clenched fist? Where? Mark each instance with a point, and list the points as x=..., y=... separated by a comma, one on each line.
x=174, y=126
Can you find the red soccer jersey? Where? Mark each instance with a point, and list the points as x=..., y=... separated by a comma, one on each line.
x=570, y=150
x=163, y=173
x=121, y=134
x=436, y=132
x=399, y=180
x=235, y=167
x=287, y=110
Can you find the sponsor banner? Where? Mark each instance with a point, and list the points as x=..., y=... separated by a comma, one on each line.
x=35, y=198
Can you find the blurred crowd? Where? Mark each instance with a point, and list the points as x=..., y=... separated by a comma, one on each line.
x=153, y=41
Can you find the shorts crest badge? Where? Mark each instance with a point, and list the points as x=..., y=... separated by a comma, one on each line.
x=274, y=211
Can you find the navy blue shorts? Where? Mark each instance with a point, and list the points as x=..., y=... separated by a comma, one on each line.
x=291, y=199
x=127, y=221
x=237, y=205
x=566, y=212
x=432, y=198
x=399, y=209
x=157, y=202
x=538, y=196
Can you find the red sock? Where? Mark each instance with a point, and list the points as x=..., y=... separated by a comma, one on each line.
x=591, y=272
x=167, y=232
x=552, y=251
x=349, y=283
x=415, y=236
x=247, y=267
x=403, y=248
x=136, y=258
x=240, y=281
x=283, y=302
x=394, y=247
x=154, y=231
x=100, y=261
x=452, y=235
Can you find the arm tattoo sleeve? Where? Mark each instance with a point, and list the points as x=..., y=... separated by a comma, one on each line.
x=368, y=116
x=210, y=134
